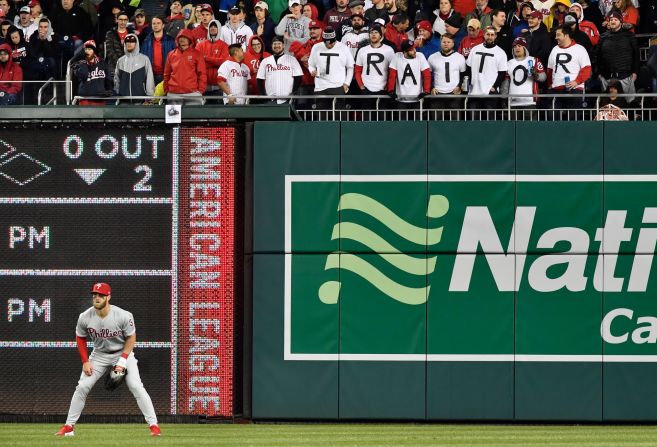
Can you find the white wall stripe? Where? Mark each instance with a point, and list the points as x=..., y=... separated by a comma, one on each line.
x=85, y=200
x=72, y=344
x=72, y=272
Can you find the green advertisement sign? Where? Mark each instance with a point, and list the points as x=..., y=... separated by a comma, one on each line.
x=455, y=271
x=470, y=268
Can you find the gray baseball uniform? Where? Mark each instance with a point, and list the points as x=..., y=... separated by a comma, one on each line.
x=108, y=335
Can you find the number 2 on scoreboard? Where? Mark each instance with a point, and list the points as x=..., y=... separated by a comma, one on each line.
x=143, y=185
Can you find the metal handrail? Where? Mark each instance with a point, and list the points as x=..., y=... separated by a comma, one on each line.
x=378, y=97
x=43, y=87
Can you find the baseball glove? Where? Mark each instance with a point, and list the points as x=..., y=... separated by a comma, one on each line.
x=114, y=379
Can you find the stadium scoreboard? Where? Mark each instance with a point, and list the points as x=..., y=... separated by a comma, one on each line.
x=148, y=210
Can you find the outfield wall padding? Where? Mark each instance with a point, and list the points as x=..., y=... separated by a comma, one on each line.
x=454, y=271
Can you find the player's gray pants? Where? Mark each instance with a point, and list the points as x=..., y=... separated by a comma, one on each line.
x=101, y=362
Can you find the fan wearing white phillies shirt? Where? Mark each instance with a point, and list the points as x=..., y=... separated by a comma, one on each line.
x=357, y=36
x=448, y=68
x=332, y=66
x=409, y=76
x=233, y=76
x=372, y=64
x=113, y=333
x=279, y=74
x=569, y=67
x=524, y=74
x=487, y=64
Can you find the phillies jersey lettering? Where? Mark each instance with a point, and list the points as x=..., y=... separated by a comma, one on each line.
x=354, y=41
x=236, y=76
x=107, y=334
x=279, y=74
x=446, y=71
x=545, y=8
x=375, y=63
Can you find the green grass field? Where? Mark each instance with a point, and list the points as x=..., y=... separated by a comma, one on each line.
x=129, y=435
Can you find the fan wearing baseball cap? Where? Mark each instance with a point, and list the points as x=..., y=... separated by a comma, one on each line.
x=114, y=336
x=93, y=75
x=200, y=33
x=372, y=63
x=26, y=23
x=409, y=76
x=538, y=37
x=235, y=31
x=618, y=55
x=293, y=27
x=263, y=25
x=475, y=37
x=425, y=42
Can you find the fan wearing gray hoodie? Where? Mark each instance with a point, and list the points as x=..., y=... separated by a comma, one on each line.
x=133, y=75
x=294, y=27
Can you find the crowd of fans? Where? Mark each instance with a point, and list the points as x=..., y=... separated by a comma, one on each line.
x=405, y=49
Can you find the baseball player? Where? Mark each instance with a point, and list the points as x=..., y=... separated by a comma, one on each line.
x=113, y=333
x=279, y=74
x=233, y=76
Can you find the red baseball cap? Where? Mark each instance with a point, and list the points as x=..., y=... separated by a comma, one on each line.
x=315, y=24
x=102, y=288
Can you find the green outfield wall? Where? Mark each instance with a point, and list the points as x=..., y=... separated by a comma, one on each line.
x=455, y=271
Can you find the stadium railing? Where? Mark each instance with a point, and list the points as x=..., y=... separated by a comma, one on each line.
x=590, y=107
x=50, y=91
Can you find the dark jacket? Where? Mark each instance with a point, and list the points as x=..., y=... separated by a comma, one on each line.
x=41, y=55
x=505, y=40
x=19, y=50
x=618, y=54
x=74, y=22
x=268, y=33
x=539, y=43
x=583, y=39
x=94, y=78
x=114, y=47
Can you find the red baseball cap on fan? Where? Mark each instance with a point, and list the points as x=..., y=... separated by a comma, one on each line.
x=102, y=288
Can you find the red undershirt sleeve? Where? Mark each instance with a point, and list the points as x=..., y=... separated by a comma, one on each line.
x=82, y=348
